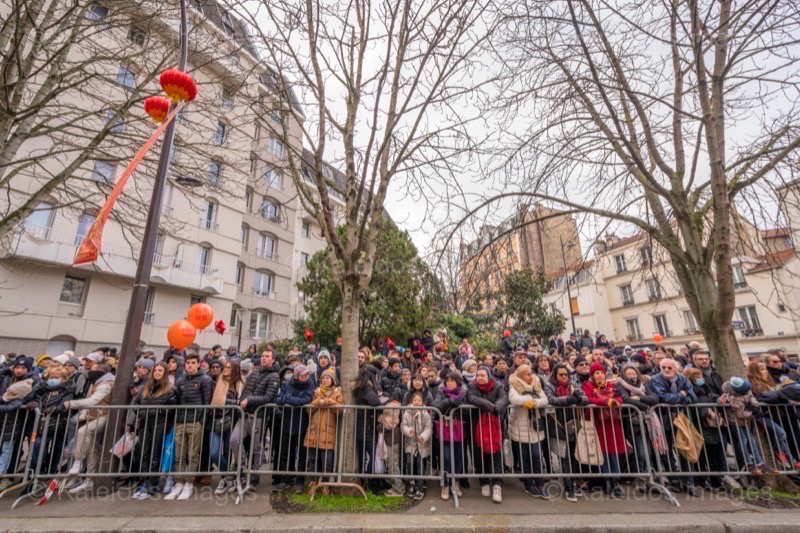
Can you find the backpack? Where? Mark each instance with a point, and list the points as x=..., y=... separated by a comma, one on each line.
x=489, y=434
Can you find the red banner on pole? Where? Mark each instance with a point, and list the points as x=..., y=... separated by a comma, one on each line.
x=89, y=250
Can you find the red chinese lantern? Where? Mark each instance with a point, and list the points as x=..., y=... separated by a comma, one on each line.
x=157, y=107
x=219, y=325
x=657, y=338
x=200, y=315
x=307, y=335
x=181, y=334
x=178, y=85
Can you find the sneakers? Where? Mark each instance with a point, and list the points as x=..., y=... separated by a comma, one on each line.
x=222, y=487
x=5, y=483
x=571, y=496
x=486, y=490
x=578, y=492
x=617, y=492
x=534, y=491
x=392, y=492
x=731, y=483
x=76, y=468
x=783, y=461
x=280, y=486
x=187, y=491
x=142, y=493
x=497, y=494
x=177, y=489
x=457, y=491
x=694, y=491
x=299, y=487
x=445, y=493
x=417, y=493
x=86, y=486
x=168, y=484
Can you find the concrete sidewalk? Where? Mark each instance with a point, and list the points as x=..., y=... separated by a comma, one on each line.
x=734, y=522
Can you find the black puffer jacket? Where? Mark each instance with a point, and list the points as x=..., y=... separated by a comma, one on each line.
x=365, y=418
x=13, y=419
x=47, y=399
x=193, y=390
x=8, y=378
x=389, y=382
x=262, y=387
x=152, y=416
x=494, y=401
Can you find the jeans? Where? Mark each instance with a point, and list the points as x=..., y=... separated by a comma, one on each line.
x=488, y=463
x=777, y=436
x=749, y=446
x=610, y=464
x=247, y=426
x=220, y=447
x=291, y=457
x=5, y=455
x=640, y=452
x=453, y=460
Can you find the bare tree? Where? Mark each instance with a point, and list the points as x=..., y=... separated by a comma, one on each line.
x=378, y=83
x=661, y=115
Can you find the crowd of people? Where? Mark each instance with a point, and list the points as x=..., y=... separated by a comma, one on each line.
x=430, y=407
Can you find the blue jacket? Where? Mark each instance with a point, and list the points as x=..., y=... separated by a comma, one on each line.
x=295, y=395
x=663, y=389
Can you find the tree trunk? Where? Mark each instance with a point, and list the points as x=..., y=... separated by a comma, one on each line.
x=724, y=349
x=351, y=309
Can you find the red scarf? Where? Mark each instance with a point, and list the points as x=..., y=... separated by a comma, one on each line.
x=563, y=390
x=486, y=387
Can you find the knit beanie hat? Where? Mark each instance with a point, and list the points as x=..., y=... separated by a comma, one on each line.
x=74, y=361
x=740, y=386
x=18, y=390
x=329, y=372
x=61, y=359
x=639, y=358
x=147, y=363
x=25, y=361
x=597, y=367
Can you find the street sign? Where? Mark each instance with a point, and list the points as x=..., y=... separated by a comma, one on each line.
x=738, y=324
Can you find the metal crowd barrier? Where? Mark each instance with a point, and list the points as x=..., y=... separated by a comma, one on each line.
x=335, y=445
x=161, y=445
x=295, y=444
x=18, y=432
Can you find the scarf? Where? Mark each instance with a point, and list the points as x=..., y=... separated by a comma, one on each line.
x=469, y=377
x=485, y=387
x=221, y=392
x=673, y=385
x=563, y=389
x=454, y=394
x=631, y=388
x=325, y=391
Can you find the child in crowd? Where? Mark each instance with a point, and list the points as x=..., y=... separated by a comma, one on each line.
x=417, y=428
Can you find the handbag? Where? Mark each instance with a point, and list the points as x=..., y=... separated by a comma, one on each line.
x=450, y=432
x=587, y=444
x=488, y=434
x=125, y=444
x=222, y=424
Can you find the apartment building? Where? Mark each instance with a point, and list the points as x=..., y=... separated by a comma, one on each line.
x=629, y=292
x=238, y=242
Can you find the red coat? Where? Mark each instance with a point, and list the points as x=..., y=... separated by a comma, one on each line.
x=607, y=422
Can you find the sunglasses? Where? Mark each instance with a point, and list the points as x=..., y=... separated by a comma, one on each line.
x=583, y=364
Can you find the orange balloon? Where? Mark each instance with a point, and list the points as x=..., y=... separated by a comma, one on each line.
x=658, y=338
x=200, y=315
x=181, y=334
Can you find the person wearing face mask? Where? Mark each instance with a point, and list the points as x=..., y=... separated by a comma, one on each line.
x=140, y=375
x=296, y=393
x=49, y=396
x=89, y=437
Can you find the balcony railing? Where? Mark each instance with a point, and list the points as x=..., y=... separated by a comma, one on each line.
x=266, y=254
x=269, y=295
x=753, y=332
x=628, y=303
x=741, y=285
x=634, y=337
x=210, y=225
x=258, y=333
x=653, y=297
x=691, y=331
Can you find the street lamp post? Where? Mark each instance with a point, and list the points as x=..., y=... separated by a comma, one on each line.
x=141, y=282
x=566, y=276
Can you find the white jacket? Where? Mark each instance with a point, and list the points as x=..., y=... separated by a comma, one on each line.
x=521, y=427
x=420, y=421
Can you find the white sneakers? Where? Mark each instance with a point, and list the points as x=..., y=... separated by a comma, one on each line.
x=497, y=494
x=445, y=493
x=177, y=489
x=486, y=490
x=86, y=486
x=76, y=468
x=187, y=491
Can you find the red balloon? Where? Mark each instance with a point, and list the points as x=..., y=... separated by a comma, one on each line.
x=657, y=338
x=219, y=325
x=307, y=335
x=181, y=334
x=200, y=315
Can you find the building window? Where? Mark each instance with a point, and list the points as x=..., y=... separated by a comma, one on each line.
x=627, y=294
x=304, y=258
x=646, y=254
x=103, y=172
x=273, y=178
x=73, y=291
x=691, y=323
x=84, y=224
x=306, y=229
x=248, y=200
x=749, y=316
x=738, y=277
x=276, y=148
x=235, y=317
x=653, y=289
x=276, y=116
x=149, y=315
x=116, y=125
x=245, y=235
x=632, y=325
x=239, y=276
x=221, y=135
x=619, y=261
x=781, y=308
x=259, y=324
x=253, y=166
x=126, y=77
x=215, y=173
x=661, y=325
x=137, y=36
x=307, y=175
x=573, y=303
x=97, y=12
x=257, y=132
x=267, y=247
x=205, y=260
x=227, y=23
x=264, y=284
x=270, y=211
x=196, y=299
x=227, y=97
x=209, y=219
x=39, y=222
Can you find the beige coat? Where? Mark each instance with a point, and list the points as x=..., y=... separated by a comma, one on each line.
x=521, y=421
x=321, y=431
x=417, y=423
